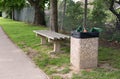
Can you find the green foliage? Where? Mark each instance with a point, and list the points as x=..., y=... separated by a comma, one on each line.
x=74, y=15
x=98, y=13
x=10, y=4
x=40, y=3
x=45, y=2
x=115, y=36
x=111, y=34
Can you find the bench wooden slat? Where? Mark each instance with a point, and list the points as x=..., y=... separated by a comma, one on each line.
x=50, y=34
x=43, y=33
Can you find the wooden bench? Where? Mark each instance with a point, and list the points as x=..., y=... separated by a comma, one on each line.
x=56, y=38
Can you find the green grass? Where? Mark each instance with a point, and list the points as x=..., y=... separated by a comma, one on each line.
x=65, y=70
x=98, y=75
x=110, y=55
x=22, y=35
x=56, y=77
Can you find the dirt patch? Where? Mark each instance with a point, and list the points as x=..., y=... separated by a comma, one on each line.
x=106, y=66
x=64, y=75
x=31, y=53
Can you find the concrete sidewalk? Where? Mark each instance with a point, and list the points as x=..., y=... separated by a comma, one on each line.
x=14, y=64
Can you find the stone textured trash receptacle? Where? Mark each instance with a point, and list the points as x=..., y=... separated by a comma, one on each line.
x=84, y=50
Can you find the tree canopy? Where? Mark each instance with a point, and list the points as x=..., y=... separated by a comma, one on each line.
x=10, y=4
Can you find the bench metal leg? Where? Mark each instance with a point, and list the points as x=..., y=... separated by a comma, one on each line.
x=50, y=41
x=56, y=46
x=43, y=40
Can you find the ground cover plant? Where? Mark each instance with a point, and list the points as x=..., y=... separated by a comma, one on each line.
x=57, y=66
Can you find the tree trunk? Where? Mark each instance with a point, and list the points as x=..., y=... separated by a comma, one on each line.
x=85, y=14
x=63, y=16
x=39, y=18
x=53, y=16
x=13, y=18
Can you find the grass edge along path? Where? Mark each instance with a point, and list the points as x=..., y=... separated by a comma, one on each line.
x=57, y=65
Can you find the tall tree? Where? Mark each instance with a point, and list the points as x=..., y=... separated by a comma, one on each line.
x=53, y=15
x=39, y=6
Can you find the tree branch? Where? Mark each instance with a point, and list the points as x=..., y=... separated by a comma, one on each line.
x=118, y=2
x=32, y=2
x=112, y=9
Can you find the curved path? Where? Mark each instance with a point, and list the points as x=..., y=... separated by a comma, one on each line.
x=14, y=64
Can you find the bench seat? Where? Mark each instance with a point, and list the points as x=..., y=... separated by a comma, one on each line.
x=54, y=36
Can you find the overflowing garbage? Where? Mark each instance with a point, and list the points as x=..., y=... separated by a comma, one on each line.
x=94, y=29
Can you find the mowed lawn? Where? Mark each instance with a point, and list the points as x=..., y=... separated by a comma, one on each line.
x=57, y=66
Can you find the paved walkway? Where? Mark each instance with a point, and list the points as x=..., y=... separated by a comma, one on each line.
x=14, y=64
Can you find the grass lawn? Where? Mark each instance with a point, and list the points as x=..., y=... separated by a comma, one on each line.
x=57, y=65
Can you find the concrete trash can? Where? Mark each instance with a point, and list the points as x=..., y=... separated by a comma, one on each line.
x=84, y=50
